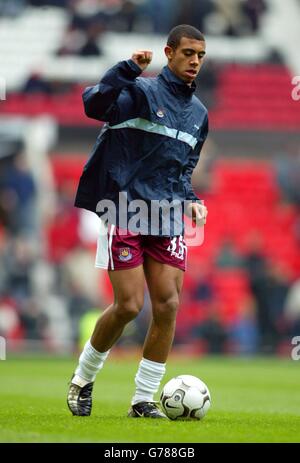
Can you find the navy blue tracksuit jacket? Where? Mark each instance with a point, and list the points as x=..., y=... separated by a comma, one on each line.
x=151, y=140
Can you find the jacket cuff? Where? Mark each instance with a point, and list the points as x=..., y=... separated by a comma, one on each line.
x=134, y=67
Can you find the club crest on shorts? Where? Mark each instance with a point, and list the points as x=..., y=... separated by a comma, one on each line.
x=125, y=254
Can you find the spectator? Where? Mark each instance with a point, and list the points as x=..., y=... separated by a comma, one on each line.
x=254, y=259
x=256, y=267
x=212, y=331
x=279, y=283
x=228, y=257
x=194, y=12
x=162, y=14
x=19, y=260
x=203, y=290
x=18, y=196
x=37, y=84
x=33, y=320
x=287, y=168
x=91, y=46
x=73, y=41
x=227, y=19
x=254, y=9
x=83, y=13
x=292, y=309
x=128, y=15
x=244, y=331
x=78, y=305
x=269, y=286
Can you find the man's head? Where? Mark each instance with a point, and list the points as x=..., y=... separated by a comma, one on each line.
x=185, y=51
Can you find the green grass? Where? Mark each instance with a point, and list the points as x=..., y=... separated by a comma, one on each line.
x=253, y=400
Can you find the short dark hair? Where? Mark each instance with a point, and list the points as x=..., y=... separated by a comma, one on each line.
x=183, y=30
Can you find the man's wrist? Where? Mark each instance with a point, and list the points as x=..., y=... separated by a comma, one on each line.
x=134, y=67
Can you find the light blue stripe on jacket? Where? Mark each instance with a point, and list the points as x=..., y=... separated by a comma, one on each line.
x=153, y=127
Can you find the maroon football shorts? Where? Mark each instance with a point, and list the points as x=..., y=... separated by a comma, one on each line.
x=120, y=251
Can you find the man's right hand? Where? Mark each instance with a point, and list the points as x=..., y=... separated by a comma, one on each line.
x=142, y=58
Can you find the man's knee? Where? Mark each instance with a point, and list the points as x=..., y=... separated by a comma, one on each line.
x=128, y=309
x=166, y=309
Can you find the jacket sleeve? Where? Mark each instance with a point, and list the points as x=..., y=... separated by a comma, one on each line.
x=99, y=101
x=188, y=171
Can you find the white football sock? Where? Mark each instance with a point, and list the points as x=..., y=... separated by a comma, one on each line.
x=147, y=380
x=90, y=362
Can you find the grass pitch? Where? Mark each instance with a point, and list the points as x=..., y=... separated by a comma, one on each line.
x=253, y=400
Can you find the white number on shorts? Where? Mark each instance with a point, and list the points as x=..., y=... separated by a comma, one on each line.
x=177, y=247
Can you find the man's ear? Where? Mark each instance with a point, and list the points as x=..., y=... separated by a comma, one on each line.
x=169, y=52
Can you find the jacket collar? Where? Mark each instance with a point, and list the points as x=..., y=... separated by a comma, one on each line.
x=177, y=85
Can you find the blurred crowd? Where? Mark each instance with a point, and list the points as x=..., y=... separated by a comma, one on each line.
x=89, y=19
x=47, y=279
x=266, y=318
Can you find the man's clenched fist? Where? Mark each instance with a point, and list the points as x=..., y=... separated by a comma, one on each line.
x=142, y=58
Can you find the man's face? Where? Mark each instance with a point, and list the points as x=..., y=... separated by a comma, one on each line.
x=187, y=59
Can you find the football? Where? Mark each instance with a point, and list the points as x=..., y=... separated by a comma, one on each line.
x=185, y=397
